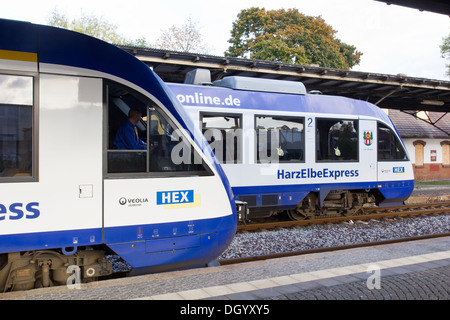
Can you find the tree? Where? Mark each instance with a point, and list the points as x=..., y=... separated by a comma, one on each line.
x=186, y=38
x=289, y=36
x=445, y=51
x=93, y=26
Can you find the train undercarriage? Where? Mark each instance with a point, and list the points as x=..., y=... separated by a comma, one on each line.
x=336, y=203
x=46, y=268
x=312, y=206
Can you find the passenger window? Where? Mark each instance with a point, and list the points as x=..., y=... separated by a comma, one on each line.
x=224, y=133
x=142, y=139
x=16, y=127
x=279, y=139
x=336, y=140
x=389, y=146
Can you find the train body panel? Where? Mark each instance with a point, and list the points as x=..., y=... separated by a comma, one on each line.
x=69, y=167
x=162, y=200
x=320, y=145
x=65, y=186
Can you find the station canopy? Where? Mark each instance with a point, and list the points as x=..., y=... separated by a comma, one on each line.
x=400, y=92
x=436, y=6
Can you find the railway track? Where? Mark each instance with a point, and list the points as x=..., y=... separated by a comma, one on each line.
x=409, y=210
x=369, y=213
x=328, y=249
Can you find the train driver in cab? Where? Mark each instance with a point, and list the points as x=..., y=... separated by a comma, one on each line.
x=127, y=136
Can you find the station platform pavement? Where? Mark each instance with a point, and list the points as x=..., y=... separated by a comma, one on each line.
x=414, y=270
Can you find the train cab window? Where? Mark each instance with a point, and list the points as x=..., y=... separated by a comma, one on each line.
x=389, y=146
x=168, y=151
x=16, y=127
x=142, y=140
x=279, y=139
x=336, y=140
x=224, y=133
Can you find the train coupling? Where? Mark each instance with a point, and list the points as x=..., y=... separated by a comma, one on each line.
x=242, y=210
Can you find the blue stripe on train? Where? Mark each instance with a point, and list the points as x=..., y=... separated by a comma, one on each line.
x=290, y=195
x=145, y=247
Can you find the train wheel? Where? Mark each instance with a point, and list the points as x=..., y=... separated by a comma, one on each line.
x=295, y=215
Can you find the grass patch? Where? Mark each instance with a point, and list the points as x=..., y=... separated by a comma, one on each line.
x=432, y=182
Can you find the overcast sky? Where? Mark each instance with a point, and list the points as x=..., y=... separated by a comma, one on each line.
x=393, y=39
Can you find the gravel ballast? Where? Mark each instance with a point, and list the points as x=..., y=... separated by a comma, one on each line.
x=333, y=235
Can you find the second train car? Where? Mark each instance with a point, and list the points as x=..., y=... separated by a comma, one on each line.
x=308, y=155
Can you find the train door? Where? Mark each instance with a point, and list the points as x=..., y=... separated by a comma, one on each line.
x=70, y=156
x=368, y=150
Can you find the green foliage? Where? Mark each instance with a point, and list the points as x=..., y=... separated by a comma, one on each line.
x=445, y=51
x=291, y=37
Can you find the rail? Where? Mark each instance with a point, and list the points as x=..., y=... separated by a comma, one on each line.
x=329, y=249
x=369, y=213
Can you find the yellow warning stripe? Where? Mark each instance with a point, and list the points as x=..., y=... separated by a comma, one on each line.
x=18, y=55
x=194, y=204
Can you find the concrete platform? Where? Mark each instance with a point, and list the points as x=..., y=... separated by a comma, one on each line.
x=416, y=277
x=405, y=271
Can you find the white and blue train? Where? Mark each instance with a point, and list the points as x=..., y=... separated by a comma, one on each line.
x=69, y=194
x=284, y=150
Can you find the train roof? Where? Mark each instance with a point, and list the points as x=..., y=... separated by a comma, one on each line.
x=57, y=46
x=31, y=47
x=239, y=99
x=263, y=85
